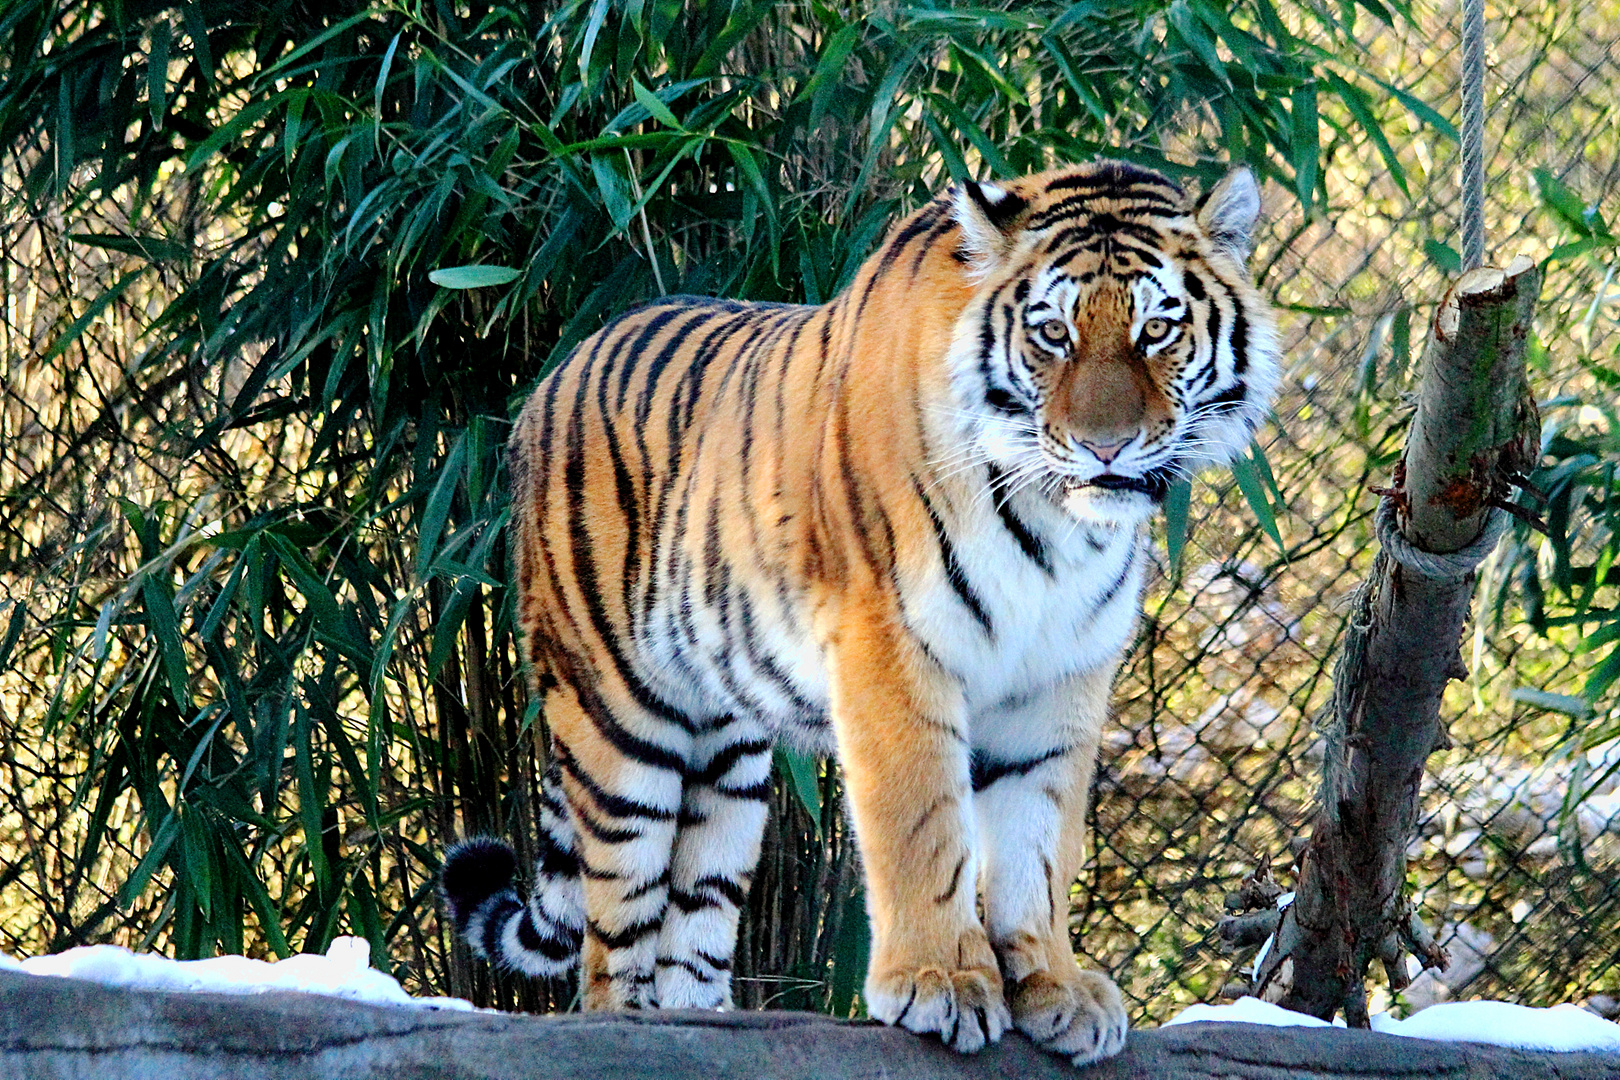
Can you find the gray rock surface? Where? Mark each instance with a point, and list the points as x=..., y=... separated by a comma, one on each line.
x=63, y=1028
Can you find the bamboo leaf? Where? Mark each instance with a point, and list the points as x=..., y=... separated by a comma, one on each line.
x=157, y=74
x=162, y=841
x=599, y=10
x=165, y=626
x=1443, y=256
x=800, y=772
x=1356, y=101
x=437, y=510
x=476, y=276
x=1176, y=526
x=1551, y=702
x=1247, y=475
x=1305, y=142
x=82, y=323
x=14, y=629
x=658, y=109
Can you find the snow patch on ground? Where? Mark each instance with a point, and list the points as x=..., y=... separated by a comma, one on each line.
x=1563, y=1027
x=1249, y=1010
x=345, y=972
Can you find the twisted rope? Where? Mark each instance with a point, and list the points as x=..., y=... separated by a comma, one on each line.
x=1473, y=133
x=1447, y=566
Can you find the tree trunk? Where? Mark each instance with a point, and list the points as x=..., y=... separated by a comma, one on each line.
x=1474, y=430
x=67, y=1028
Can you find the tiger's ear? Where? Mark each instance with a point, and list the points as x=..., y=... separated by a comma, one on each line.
x=987, y=215
x=1228, y=211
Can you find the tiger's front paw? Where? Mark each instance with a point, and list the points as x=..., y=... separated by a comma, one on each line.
x=1076, y=1013
x=964, y=1007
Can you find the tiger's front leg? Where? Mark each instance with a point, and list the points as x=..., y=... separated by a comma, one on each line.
x=1032, y=780
x=901, y=730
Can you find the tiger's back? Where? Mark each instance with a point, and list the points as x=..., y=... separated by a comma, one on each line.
x=903, y=527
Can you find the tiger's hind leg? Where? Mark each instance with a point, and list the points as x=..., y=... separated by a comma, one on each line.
x=722, y=819
x=622, y=772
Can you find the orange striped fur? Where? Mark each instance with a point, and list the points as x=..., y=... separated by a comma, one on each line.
x=905, y=527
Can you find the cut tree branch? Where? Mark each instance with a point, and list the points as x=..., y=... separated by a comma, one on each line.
x=1474, y=430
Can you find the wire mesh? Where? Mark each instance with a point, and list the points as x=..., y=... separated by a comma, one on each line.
x=1211, y=765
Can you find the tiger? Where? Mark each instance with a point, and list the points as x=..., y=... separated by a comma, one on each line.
x=906, y=527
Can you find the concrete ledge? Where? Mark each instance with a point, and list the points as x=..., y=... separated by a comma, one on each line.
x=60, y=1028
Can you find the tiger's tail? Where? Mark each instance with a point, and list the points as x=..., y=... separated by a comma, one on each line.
x=541, y=937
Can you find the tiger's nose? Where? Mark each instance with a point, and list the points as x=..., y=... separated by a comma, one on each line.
x=1105, y=452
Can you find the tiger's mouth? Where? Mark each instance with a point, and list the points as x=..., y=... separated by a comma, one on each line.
x=1153, y=484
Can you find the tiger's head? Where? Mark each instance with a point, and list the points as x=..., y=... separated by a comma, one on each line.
x=1114, y=340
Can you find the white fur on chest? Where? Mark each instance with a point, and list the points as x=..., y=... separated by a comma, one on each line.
x=1043, y=626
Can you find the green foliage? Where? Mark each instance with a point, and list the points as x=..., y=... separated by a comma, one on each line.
x=318, y=253
x=1569, y=578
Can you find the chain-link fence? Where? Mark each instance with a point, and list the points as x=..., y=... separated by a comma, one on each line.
x=1211, y=767
x=1211, y=764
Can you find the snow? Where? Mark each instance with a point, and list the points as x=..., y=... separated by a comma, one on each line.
x=345, y=972
x=1248, y=1010
x=1563, y=1027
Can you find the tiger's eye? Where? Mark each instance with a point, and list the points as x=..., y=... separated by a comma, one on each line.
x=1155, y=329
x=1054, y=332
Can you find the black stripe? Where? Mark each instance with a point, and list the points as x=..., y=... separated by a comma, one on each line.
x=702, y=356
x=1119, y=582
x=759, y=792
x=653, y=325
x=943, y=226
x=723, y=761
x=985, y=772
x=1212, y=326
x=1231, y=398
x=763, y=663
x=953, y=567
x=877, y=556
x=1079, y=205
x=553, y=948
x=646, y=888
x=686, y=965
x=495, y=920
x=727, y=888
x=1115, y=174
x=713, y=961
x=956, y=878
x=925, y=220
x=1240, y=337
x=602, y=832
x=1101, y=229
x=1027, y=542
x=619, y=939
x=555, y=859
x=617, y=805
x=909, y=1002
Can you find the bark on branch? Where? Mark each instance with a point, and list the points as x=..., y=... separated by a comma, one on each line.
x=1474, y=431
x=66, y=1028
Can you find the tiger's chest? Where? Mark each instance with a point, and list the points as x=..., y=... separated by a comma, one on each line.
x=1008, y=618
x=1007, y=605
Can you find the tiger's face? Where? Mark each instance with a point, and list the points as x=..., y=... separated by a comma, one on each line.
x=1115, y=341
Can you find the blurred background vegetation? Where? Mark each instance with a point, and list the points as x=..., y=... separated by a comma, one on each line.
x=277, y=273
